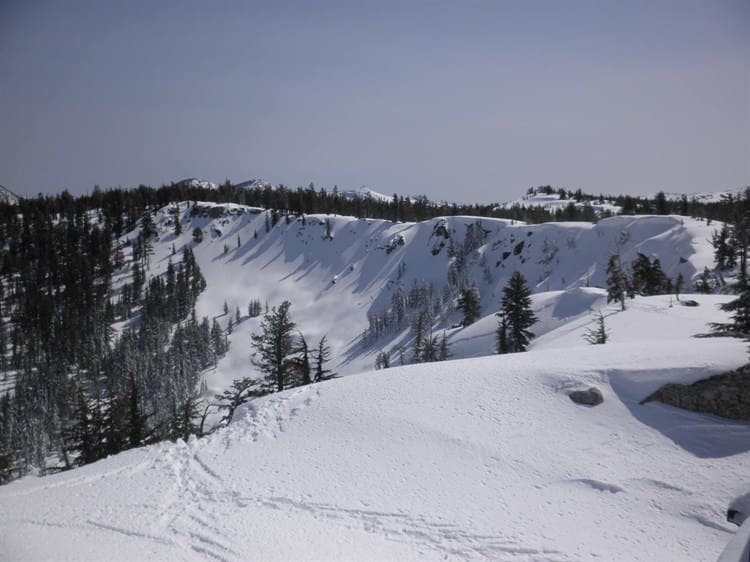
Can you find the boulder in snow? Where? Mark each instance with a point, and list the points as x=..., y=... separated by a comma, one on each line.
x=589, y=397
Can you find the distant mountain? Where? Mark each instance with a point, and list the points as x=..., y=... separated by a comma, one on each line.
x=253, y=184
x=365, y=192
x=704, y=197
x=195, y=182
x=7, y=196
x=554, y=200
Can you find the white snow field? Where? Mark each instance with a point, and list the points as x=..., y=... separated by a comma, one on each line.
x=483, y=458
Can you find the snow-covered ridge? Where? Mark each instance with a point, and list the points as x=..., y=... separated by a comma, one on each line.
x=254, y=184
x=476, y=459
x=335, y=283
x=365, y=192
x=197, y=183
x=553, y=202
x=704, y=197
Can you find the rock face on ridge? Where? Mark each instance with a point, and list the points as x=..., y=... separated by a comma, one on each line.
x=726, y=395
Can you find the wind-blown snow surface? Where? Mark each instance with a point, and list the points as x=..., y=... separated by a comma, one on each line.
x=478, y=458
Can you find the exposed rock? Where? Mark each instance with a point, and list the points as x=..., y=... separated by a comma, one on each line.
x=689, y=303
x=726, y=395
x=589, y=397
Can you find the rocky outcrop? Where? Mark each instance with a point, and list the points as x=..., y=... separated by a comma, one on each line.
x=726, y=395
x=589, y=397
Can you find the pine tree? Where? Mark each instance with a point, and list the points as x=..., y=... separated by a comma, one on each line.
x=703, y=284
x=322, y=355
x=724, y=254
x=429, y=350
x=197, y=235
x=273, y=346
x=301, y=362
x=469, y=303
x=382, y=361
x=237, y=394
x=177, y=221
x=218, y=341
x=444, y=352
x=501, y=336
x=598, y=334
x=516, y=310
x=740, y=308
x=617, y=281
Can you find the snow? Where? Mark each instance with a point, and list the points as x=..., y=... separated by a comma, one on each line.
x=254, y=184
x=478, y=458
x=702, y=197
x=365, y=192
x=334, y=284
x=552, y=203
x=198, y=183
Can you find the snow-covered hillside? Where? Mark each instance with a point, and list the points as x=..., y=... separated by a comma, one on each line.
x=365, y=192
x=478, y=458
x=335, y=283
x=197, y=183
x=552, y=202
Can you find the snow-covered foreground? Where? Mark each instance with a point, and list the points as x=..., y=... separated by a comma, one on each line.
x=477, y=458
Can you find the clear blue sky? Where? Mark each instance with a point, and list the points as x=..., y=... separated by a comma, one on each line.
x=466, y=101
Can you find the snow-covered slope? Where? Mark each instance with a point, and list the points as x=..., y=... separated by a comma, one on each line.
x=365, y=192
x=197, y=183
x=335, y=284
x=704, y=197
x=253, y=184
x=479, y=458
x=552, y=203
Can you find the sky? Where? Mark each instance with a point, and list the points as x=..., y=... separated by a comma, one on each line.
x=471, y=101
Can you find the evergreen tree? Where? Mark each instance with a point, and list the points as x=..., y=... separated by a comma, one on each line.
x=240, y=391
x=301, y=362
x=740, y=309
x=382, y=361
x=617, y=281
x=724, y=253
x=218, y=341
x=273, y=347
x=599, y=333
x=322, y=355
x=469, y=304
x=197, y=235
x=429, y=350
x=703, y=284
x=177, y=221
x=516, y=310
x=444, y=351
